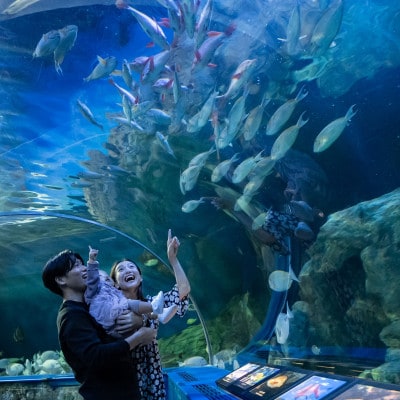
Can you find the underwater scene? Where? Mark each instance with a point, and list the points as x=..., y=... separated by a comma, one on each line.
x=264, y=133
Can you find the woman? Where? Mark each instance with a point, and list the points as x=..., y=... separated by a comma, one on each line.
x=128, y=278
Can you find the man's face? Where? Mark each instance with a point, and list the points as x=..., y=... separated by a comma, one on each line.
x=76, y=278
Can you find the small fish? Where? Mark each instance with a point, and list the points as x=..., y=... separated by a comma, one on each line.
x=253, y=120
x=158, y=116
x=89, y=175
x=124, y=92
x=201, y=158
x=191, y=205
x=164, y=143
x=68, y=36
x=191, y=321
x=239, y=78
x=332, y=131
x=223, y=167
x=286, y=139
x=282, y=325
x=151, y=28
x=87, y=113
x=103, y=68
x=283, y=113
x=18, y=335
x=188, y=178
x=200, y=119
x=244, y=168
x=280, y=281
x=47, y=44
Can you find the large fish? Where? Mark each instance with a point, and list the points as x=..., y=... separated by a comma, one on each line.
x=332, y=131
x=286, y=139
x=103, y=68
x=47, y=44
x=68, y=36
x=283, y=113
x=151, y=28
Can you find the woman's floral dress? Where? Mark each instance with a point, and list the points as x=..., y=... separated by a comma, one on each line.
x=147, y=358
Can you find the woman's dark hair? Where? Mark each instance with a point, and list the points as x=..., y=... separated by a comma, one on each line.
x=113, y=275
x=58, y=266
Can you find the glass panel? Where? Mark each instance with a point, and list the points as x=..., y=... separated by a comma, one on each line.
x=263, y=133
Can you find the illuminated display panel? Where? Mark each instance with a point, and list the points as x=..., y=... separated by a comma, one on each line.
x=315, y=387
x=368, y=392
x=255, y=377
x=237, y=374
x=276, y=384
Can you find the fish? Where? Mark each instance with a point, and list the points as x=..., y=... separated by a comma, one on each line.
x=244, y=168
x=201, y=158
x=18, y=335
x=280, y=281
x=223, y=167
x=332, y=131
x=68, y=36
x=158, y=116
x=293, y=32
x=239, y=78
x=203, y=22
x=188, y=8
x=153, y=66
x=258, y=222
x=263, y=167
x=87, y=113
x=165, y=144
x=326, y=29
x=200, y=118
x=282, y=325
x=124, y=92
x=188, y=178
x=286, y=139
x=126, y=74
x=283, y=113
x=206, y=51
x=104, y=67
x=242, y=203
x=151, y=28
x=47, y=44
x=253, y=120
x=191, y=205
x=253, y=185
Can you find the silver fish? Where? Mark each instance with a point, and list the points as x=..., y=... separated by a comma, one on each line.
x=253, y=120
x=104, y=68
x=191, y=205
x=282, y=325
x=68, y=36
x=47, y=44
x=239, y=78
x=200, y=119
x=332, y=131
x=151, y=28
x=201, y=158
x=280, y=281
x=283, y=113
x=222, y=168
x=87, y=113
x=164, y=143
x=244, y=168
x=188, y=178
x=286, y=139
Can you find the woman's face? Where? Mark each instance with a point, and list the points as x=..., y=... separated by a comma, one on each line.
x=127, y=276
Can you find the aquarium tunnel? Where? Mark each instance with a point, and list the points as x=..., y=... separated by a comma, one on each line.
x=264, y=134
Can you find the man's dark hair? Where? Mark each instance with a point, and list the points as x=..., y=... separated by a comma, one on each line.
x=58, y=266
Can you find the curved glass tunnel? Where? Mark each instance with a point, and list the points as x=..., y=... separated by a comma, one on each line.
x=292, y=258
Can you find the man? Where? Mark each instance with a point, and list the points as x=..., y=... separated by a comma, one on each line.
x=101, y=364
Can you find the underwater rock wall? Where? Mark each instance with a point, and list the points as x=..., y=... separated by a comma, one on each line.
x=350, y=283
